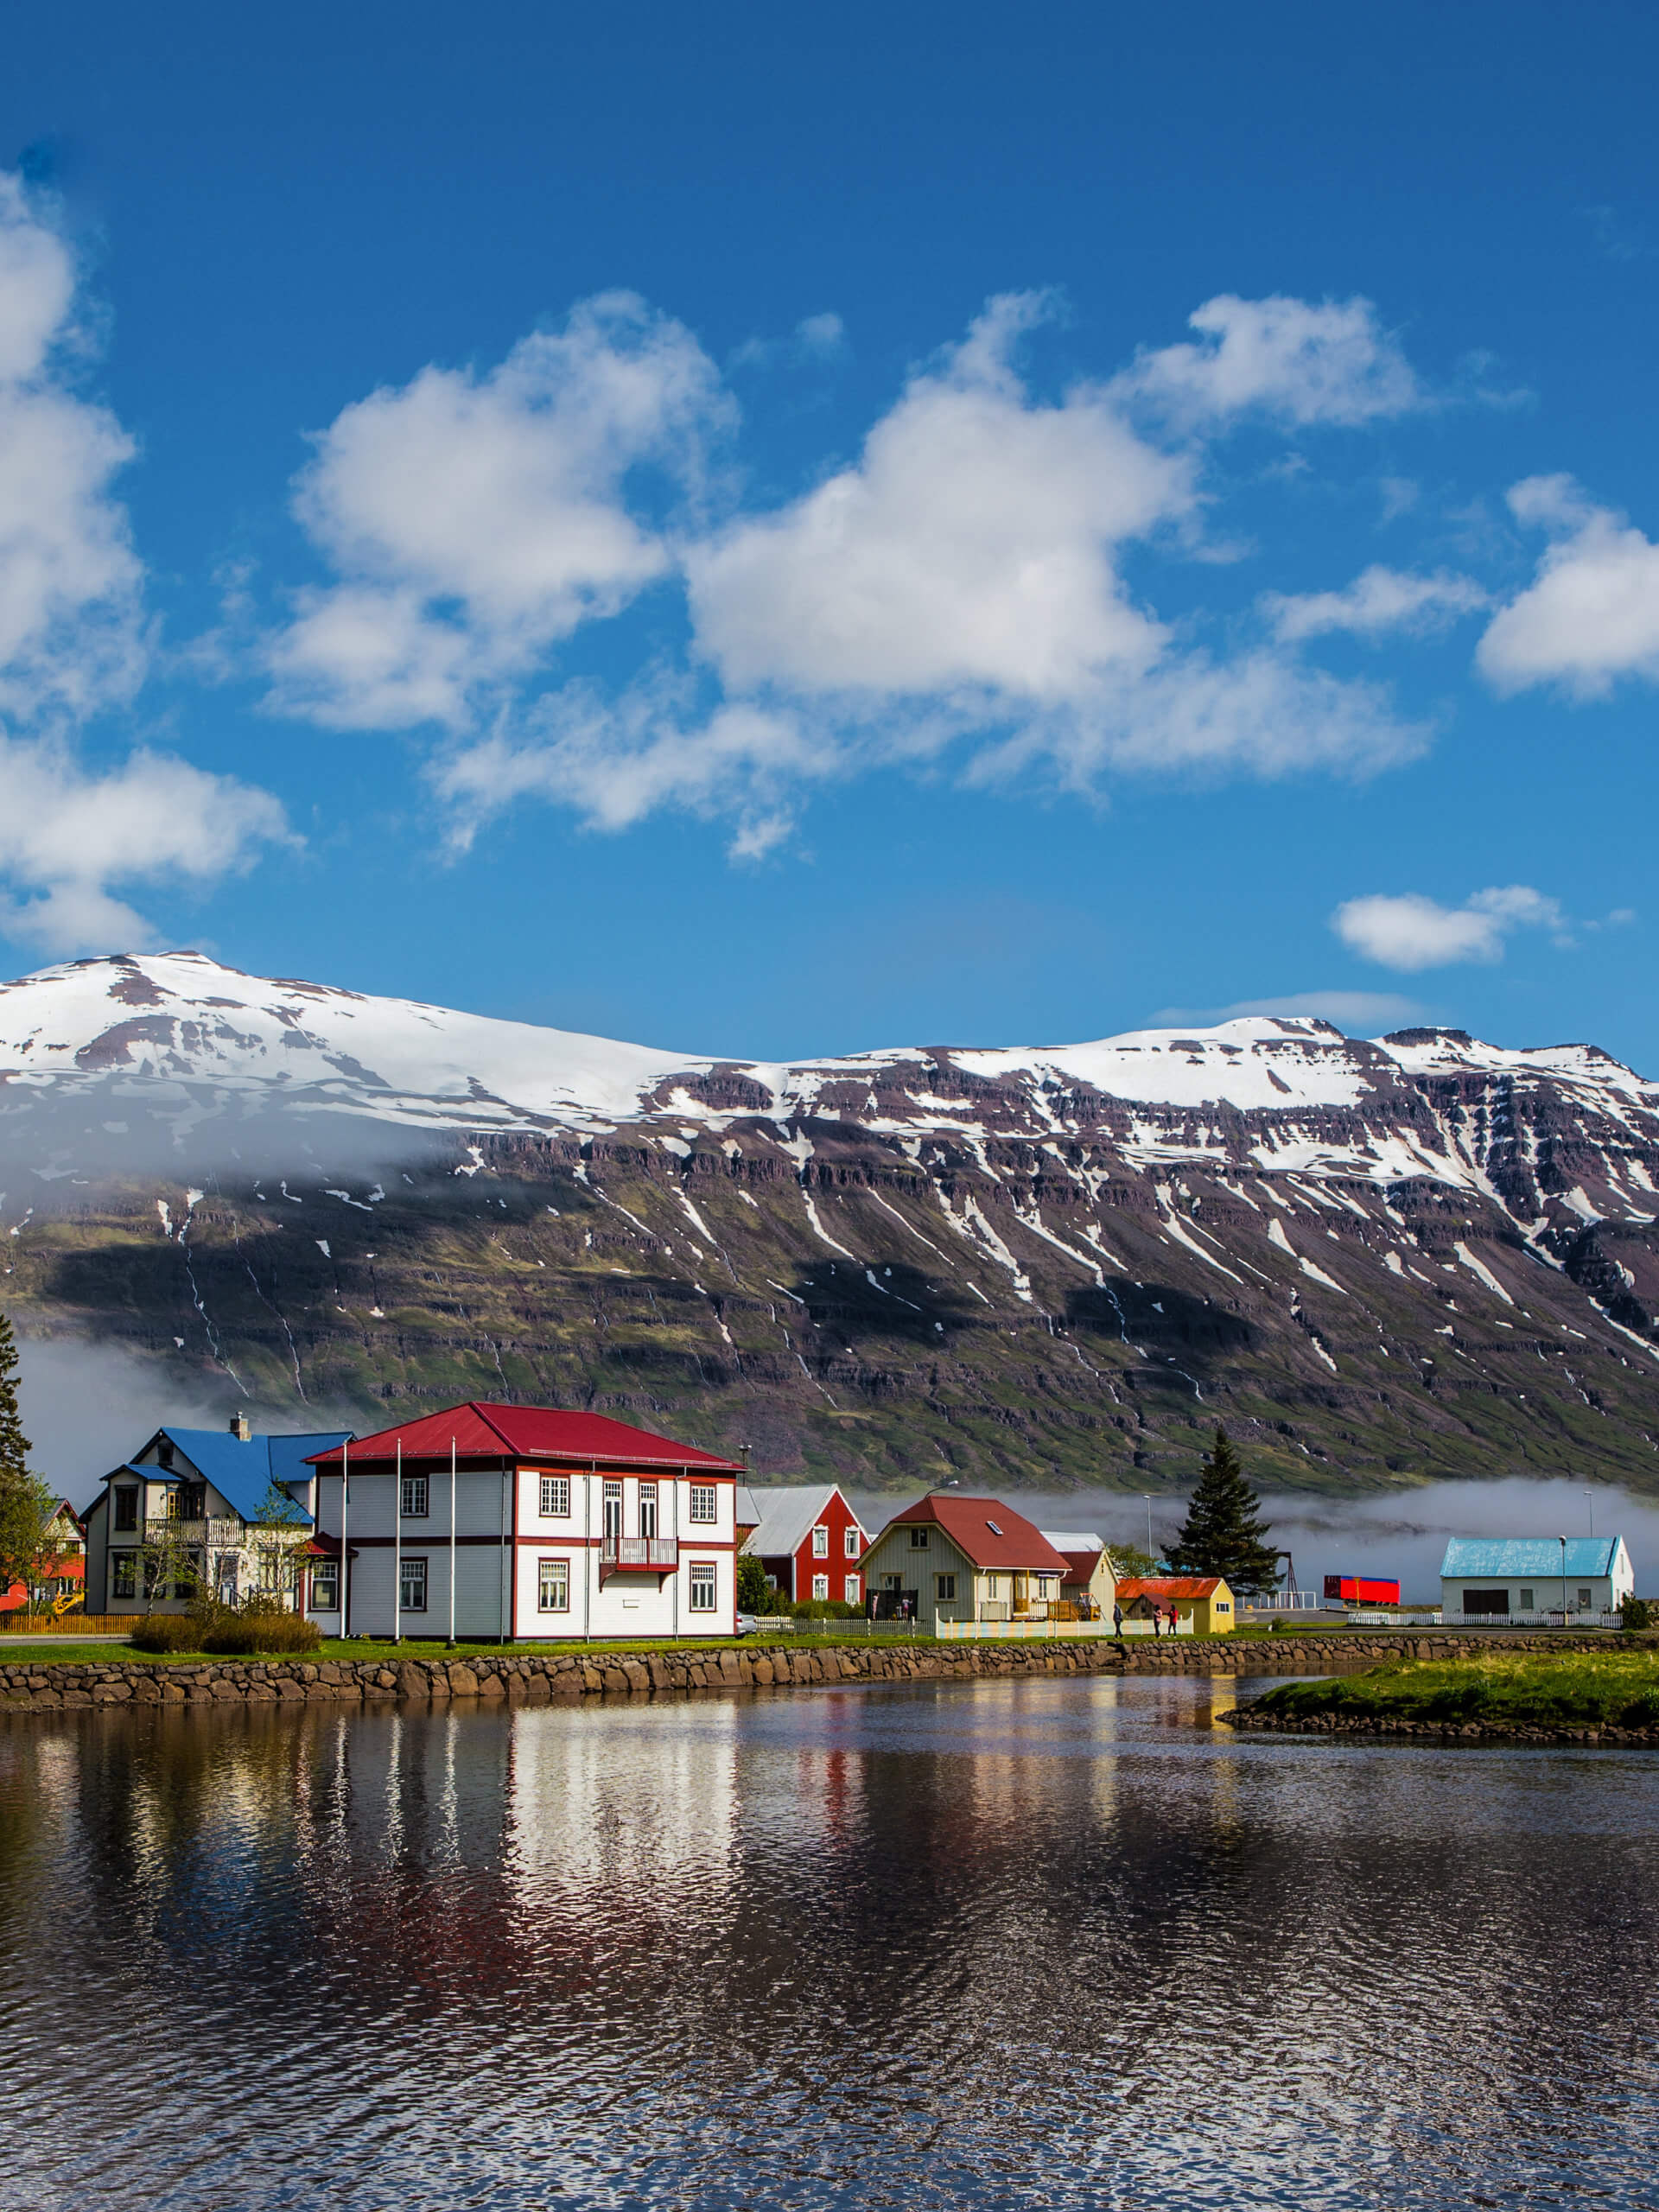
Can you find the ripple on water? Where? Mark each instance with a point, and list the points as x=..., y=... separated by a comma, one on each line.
x=1011, y=1943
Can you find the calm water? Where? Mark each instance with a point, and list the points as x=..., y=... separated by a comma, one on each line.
x=1044, y=1944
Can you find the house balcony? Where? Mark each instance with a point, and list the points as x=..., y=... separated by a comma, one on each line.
x=657, y=1555
x=215, y=1534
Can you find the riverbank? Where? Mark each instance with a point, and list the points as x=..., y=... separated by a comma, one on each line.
x=37, y=1683
x=1607, y=1696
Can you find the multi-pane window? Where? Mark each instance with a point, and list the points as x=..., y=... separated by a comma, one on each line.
x=126, y=1507
x=853, y=1593
x=918, y=1537
x=124, y=1574
x=413, y=1507
x=611, y=1510
x=556, y=1497
x=820, y=1585
x=1527, y=1602
x=851, y=1543
x=704, y=1503
x=324, y=1588
x=553, y=1586
x=1584, y=1601
x=945, y=1589
x=412, y=1586
x=700, y=1586
x=647, y=1509
x=820, y=1543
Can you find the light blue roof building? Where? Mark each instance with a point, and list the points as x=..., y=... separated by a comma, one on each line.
x=1487, y=1580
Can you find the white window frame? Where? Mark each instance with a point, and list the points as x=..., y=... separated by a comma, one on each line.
x=850, y=1544
x=918, y=1536
x=412, y=1575
x=821, y=1587
x=413, y=1498
x=820, y=1541
x=555, y=1572
x=853, y=1592
x=556, y=1497
x=703, y=1505
x=328, y=1575
x=702, y=1587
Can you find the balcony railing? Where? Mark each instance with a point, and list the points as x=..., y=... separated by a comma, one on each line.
x=657, y=1555
x=217, y=1534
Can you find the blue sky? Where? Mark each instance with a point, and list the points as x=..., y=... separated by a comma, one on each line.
x=773, y=534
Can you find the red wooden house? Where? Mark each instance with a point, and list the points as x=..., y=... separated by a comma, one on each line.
x=810, y=1542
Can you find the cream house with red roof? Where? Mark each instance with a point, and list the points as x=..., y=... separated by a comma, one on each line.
x=948, y=1561
x=486, y=1520
x=1203, y=1604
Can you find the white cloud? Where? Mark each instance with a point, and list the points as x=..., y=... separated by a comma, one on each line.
x=69, y=833
x=1377, y=602
x=474, y=521
x=970, y=547
x=70, y=635
x=1329, y=364
x=1410, y=932
x=1590, y=614
x=821, y=335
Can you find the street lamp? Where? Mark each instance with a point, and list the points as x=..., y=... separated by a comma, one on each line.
x=1147, y=1494
x=1561, y=1541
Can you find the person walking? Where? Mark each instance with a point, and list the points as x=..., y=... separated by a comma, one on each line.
x=1117, y=1618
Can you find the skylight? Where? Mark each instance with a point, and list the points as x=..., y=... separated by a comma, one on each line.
x=992, y=1526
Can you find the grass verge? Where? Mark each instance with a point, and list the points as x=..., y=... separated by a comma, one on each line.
x=1578, y=1689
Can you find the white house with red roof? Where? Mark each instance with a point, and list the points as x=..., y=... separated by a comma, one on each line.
x=950, y=1562
x=1091, y=1582
x=485, y=1521
x=810, y=1541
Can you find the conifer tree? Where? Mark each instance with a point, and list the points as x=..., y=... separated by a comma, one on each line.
x=27, y=1551
x=13, y=1445
x=1224, y=1533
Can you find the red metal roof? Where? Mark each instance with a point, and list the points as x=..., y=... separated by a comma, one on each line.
x=1012, y=1541
x=482, y=1430
x=1169, y=1586
x=1080, y=1566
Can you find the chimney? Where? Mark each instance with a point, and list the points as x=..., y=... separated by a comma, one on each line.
x=241, y=1428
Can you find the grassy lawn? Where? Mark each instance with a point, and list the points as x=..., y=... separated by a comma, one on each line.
x=1518, y=1690
x=364, y=1648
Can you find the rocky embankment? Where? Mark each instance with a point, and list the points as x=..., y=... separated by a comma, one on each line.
x=38, y=1684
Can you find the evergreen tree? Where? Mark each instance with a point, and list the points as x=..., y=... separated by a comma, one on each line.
x=13, y=1445
x=1224, y=1534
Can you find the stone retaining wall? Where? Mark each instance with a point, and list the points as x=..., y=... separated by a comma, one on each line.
x=37, y=1683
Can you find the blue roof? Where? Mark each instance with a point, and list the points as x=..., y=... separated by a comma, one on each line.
x=243, y=1473
x=1537, y=1558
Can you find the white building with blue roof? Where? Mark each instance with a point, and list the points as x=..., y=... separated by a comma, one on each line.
x=223, y=1509
x=1535, y=1581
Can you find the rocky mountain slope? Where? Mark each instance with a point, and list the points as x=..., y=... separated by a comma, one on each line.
x=1376, y=1261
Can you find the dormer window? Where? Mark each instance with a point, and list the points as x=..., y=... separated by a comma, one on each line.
x=164, y=1454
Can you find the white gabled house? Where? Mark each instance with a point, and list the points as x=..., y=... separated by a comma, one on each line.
x=197, y=1508
x=523, y=1521
x=1534, y=1581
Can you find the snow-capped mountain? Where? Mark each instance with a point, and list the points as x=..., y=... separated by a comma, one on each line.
x=1358, y=1251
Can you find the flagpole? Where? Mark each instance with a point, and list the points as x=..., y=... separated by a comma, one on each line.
x=398, y=1548
x=344, y=1567
x=452, y=1543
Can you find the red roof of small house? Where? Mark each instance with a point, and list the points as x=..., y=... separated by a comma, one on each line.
x=985, y=1531
x=1169, y=1586
x=482, y=1430
x=1080, y=1566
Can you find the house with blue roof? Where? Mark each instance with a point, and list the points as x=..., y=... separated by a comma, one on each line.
x=223, y=1510
x=1535, y=1581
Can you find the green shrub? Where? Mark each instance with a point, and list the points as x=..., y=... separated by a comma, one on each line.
x=826, y=1609
x=1636, y=1614
x=262, y=1630
x=166, y=1632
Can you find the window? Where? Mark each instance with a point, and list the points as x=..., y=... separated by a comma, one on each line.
x=647, y=1509
x=126, y=1507
x=1222, y=1605
x=852, y=1543
x=850, y=1590
x=917, y=1536
x=553, y=1586
x=556, y=1497
x=704, y=1503
x=992, y=1526
x=701, y=1598
x=413, y=1507
x=820, y=1543
x=1584, y=1601
x=164, y=1454
x=820, y=1585
x=945, y=1589
x=324, y=1588
x=772, y=1582
x=611, y=1512
x=193, y=1500
x=1485, y=1601
x=412, y=1586
x=1529, y=1603
x=124, y=1574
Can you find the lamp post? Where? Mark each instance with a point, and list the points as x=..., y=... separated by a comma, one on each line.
x=1147, y=1494
x=1561, y=1541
